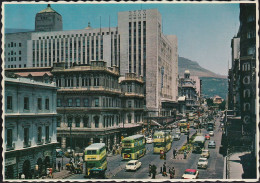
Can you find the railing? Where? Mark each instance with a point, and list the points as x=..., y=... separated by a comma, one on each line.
x=9, y=148
x=27, y=144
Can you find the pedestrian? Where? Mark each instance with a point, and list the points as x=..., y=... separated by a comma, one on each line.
x=164, y=169
x=174, y=153
x=185, y=154
x=173, y=172
x=150, y=169
x=59, y=165
x=154, y=171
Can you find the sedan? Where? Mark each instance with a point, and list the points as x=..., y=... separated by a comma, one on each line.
x=211, y=133
x=177, y=131
x=203, y=163
x=205, y=153
x=212, y=144
x=176, y=137
x=207, y=137
x=133, y=165
x=190, y=174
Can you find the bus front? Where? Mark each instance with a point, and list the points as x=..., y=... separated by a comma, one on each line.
x=127, y=149
x=158, y=142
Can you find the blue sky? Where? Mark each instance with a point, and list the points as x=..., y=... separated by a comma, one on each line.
x=204, y=31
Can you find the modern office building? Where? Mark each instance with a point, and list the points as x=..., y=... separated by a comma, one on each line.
x=29, y=127
x=137, y=45
x=95, y=106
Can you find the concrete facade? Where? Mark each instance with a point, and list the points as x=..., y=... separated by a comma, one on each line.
x=29, y=127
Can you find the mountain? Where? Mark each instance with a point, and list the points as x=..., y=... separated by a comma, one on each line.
x=195, y=69
x=214, y=86
x=14, y=30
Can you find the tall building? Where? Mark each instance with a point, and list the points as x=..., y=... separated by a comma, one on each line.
x=48, y=20
x=30, y=127
x=137, y=45
x=144, y=50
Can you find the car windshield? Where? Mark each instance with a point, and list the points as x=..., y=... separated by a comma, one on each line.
x=131, y=164
x=190, y=173
x=204, y=151
x=202, y=160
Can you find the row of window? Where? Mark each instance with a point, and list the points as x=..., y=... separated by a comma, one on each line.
x=14, y=66
x=13, y=44
x=9, y=103
x=77, y=35
x=14, y=59
x=9, y=135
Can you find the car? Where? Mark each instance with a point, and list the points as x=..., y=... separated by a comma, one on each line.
x=190, y=174
x=207, y=137
x=177, y=131
x=133, y=165
x=149, y=140
x=212, y=144
x=211, y=133
x=176, y=137
x=205, y=153
x=174, y=126
x=203, y=163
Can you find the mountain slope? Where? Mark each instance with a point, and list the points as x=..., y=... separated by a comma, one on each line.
x=195, y=69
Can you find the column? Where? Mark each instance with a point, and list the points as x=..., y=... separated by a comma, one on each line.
x=101, y=140
x=80, y=81
x=91, y=140
x=114, y=139
x=74, y=81
x=63, y=142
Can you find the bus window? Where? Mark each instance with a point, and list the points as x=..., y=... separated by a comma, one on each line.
x=89, y=152
x=126, y=150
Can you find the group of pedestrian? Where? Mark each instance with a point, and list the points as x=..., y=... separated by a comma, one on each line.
x=152, y=171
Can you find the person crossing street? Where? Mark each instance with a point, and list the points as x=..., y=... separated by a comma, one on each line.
x=174, y=153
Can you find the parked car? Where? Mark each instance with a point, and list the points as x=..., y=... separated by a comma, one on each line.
x=149, y=140
x=205, y=153
x=174, y=126
x=212, y=144
x=177, y=131
x=190, y=174
x=203, y=163
x=211, y=133
x=176, y=137
x=207, y=137
x=133, y=165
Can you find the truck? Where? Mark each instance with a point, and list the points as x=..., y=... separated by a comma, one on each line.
x=198, y=144
x=210, y=126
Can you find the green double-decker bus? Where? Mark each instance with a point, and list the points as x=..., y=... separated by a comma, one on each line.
x=133, y=147
x=162, y=141
x=95, y=157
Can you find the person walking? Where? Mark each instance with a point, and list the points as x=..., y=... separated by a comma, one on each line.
x=174, y=153
x=173, y=172
x=59, y=165
x=185, y=154
x=153, y=171
x=164, y=169
x=150, y=170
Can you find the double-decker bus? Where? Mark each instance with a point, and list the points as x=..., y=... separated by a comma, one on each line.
x=95, y=157
x=183, y=124
x=162, y=140
x=133, y=147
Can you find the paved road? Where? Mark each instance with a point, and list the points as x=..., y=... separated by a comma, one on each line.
x=116, y=166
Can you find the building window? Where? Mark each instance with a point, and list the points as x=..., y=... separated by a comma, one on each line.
x=77, y=102
x=69, y=102
x=20, y=44
x=58, y=102
x=129, y=103
x=69, y=121
x=96, y=102
x=86, y=103
x=96, y=119
x=129, y=88
x=58, y=121
x=47, y=105
x=77, y=120
x=250, y=51
x=47, y=133
x=39, y=134
x=39, y=104
x=26, y=136
x=26, y=103
x=86, y=122
x=9, y=103
x=129, y=118
x=9, y=138
x=251, y=34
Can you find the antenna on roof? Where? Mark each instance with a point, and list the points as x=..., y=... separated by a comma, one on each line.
x=100, y=24
x=109, y=23
x=48, y=5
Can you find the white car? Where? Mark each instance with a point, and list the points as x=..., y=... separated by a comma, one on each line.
x=133, y=165
x=205, y=153
x=211, y=133
x=203, y=163
x=149, y=140
x=177, y=131
x=190, y=174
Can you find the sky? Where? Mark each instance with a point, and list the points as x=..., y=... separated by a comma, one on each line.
x=204, y=31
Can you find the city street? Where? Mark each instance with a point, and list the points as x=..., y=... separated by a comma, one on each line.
x=116, y=166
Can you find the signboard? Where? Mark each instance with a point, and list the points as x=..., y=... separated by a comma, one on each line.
x=127, y=156
x=47, y=153
x=10, y=161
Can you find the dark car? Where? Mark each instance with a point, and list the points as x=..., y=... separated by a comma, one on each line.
x=212, y=144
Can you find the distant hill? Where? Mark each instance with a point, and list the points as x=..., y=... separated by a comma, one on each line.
x=214, y=86
x=195, y=69
x=13, y=30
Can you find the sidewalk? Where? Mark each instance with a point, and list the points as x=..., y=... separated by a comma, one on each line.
x=235, y=166
x=62, y=174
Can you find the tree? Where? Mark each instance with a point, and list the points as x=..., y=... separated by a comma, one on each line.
x=209, y=102
x=222, y=106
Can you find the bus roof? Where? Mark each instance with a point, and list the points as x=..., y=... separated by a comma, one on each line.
x=160, y=132
x=95, y=146
x=133, y=137
x=183, y=120
x=199, y=138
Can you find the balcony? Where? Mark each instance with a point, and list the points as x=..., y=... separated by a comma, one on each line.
x=40, y=142
x=47, y=141
x=27, y=144
x=9, y=148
